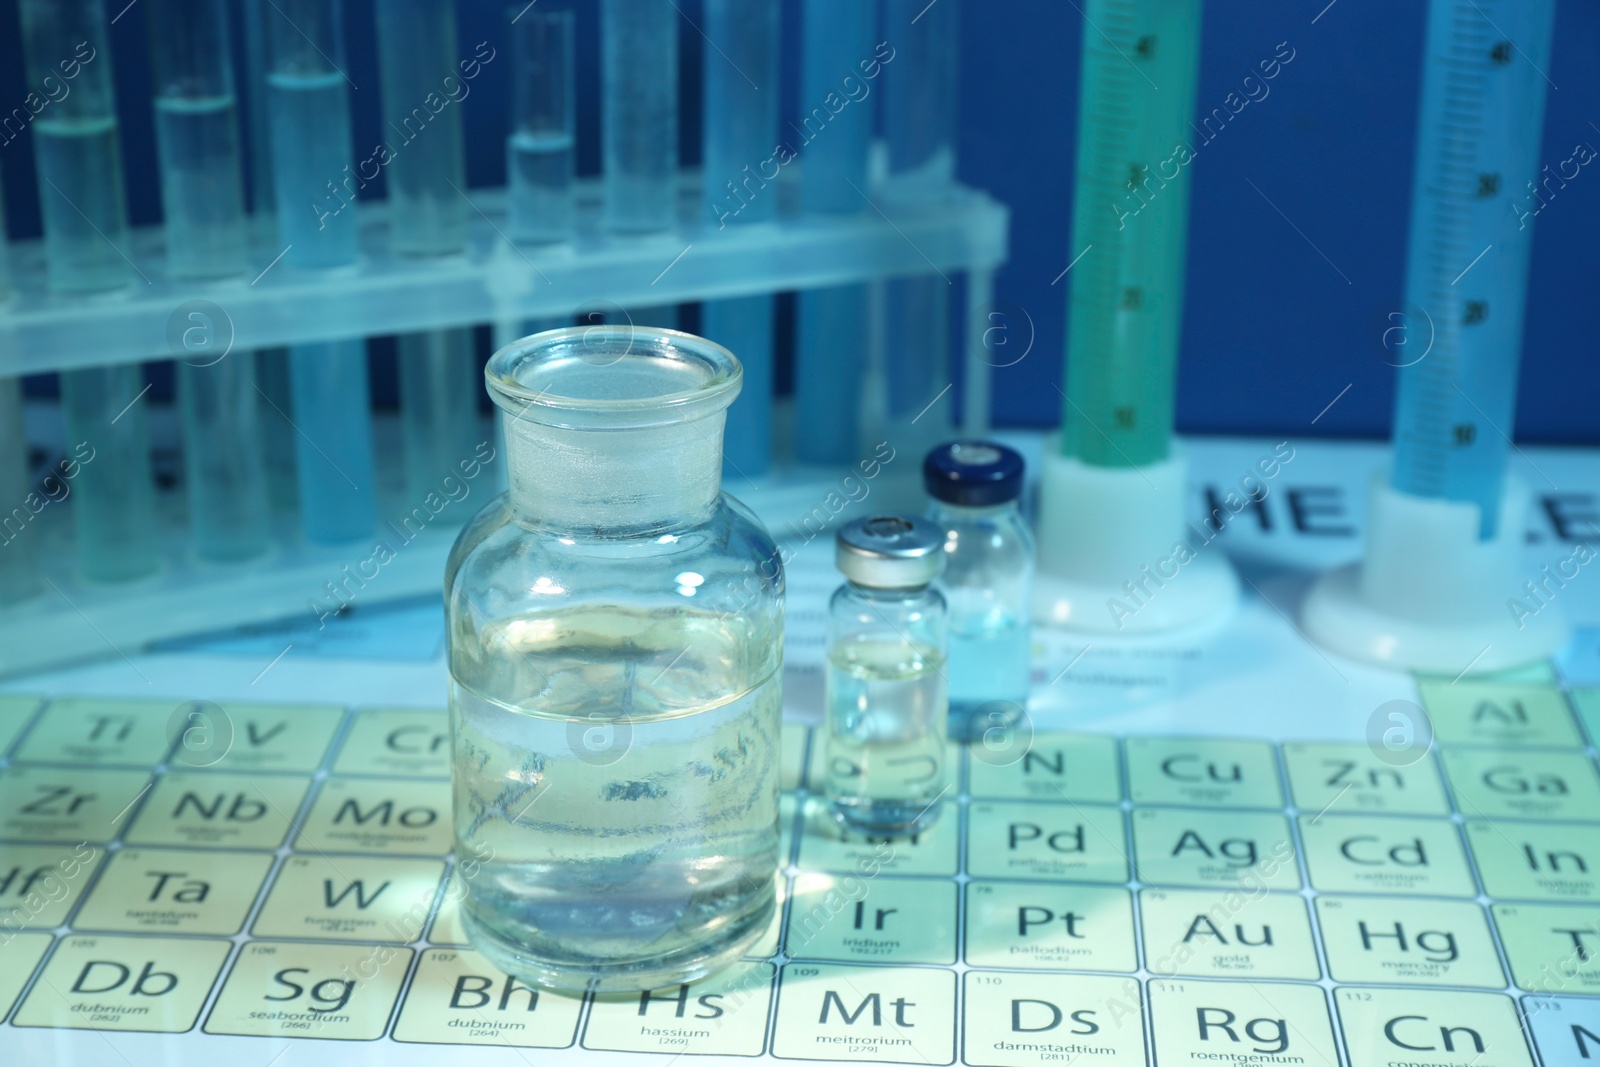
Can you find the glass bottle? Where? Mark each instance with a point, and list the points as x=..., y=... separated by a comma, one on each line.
x=988, y=581
x=886, y=766
x=616, y=649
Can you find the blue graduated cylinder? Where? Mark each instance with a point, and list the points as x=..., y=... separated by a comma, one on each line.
x=1483, y=97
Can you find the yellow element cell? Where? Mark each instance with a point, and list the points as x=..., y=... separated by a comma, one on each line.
x=1020, y=1020
x=277, y=737
x=1211, y=934
x=206, y=810
x=1260, y=1023
x=1497, y=714
x=39, y=884
x=153, y=984
x=793, y=749
x=850, y=1014
x=1071, y=842
x=19, y=955
x=1537, y=861
x=327, y=992
x=1078, y=767
x=458, y=998
x=724, y=1015
x=1203, y=772
x=1208, y=848
x=447, y=928
x=66, y=804
x=1054, y=927
x=1555, y=786
x=1379, y=854
x=350, y=898
x=391, y=816
x=825, y=846
x=400, y=742
x=1552, y=949
x=1430, y=1028
x=855, y=919
x=174, y=891
x=15, y=711
x=1349, y=779
x=100, y=731
x=1409, y=942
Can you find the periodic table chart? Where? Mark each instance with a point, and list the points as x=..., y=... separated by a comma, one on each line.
x=1146, y=879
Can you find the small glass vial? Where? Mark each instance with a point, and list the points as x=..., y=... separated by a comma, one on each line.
x=988, y=581
x=615, y=629
x=886, y=688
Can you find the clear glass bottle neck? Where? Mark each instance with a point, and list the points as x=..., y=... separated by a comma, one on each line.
x=962, y=513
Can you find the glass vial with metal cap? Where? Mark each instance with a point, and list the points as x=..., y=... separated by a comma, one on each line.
x=615, y=629
x=988, y=580
x=886, y=688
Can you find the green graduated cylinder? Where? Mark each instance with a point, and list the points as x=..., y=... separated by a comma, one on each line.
x=1129, y=222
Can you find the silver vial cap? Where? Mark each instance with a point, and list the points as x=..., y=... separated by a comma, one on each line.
x=890, y=552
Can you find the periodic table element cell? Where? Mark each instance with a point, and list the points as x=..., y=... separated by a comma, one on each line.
x=447, y=928
x=1203, y=772
x=854, y=919
x=1020, y=1020
x=1070, y=842
x=1430, y=1026
x=1499, y=715
x=1054, y=927
x=1350, y=779
x=793, y=750
x=1229, y=849
x=1079, y=767
x=1384, y=854
x=67, y=804
x=458, y=998
x=1587, y=703
x=1239, y=934
x=153, y=984
x=207, y=810
x=1536, y=861
x=1553, y=948
x=100, y=731
x=328, y=992
x=175, y=891
x=725, y=1014
x=825, y=846
x=39, y=884
x=15, y=711
x=350, y=898
x=1567, y=1031
x=850, y=1014
x=1409, y=942
x=1260, y=1023
x=19, y=955
x=401, y=742
x=277, y=737
x=386, y=815
x=1554, y=786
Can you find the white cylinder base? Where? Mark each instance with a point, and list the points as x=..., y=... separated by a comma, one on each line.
x=1430, y=595
x=1115, y=555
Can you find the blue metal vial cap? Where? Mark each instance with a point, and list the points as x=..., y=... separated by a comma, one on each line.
x=973, y=474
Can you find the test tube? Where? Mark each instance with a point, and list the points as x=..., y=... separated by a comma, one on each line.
x=831, y=333
x=78, y=158
x=919, y=122
x=427, y=217
x=309, y=116
x=741, y=125
x=540, y=151
x=639, y=113
x=202, y=195
x=19, y=572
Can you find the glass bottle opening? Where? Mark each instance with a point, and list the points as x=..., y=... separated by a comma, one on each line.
x=613, y=377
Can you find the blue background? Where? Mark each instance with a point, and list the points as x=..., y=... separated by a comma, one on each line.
x=1277, y=322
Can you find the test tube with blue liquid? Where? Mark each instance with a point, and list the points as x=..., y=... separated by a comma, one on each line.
x=1443, y=568
x=78, y=158
x=308, y=108
x=202, y=195
x=741, y=126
